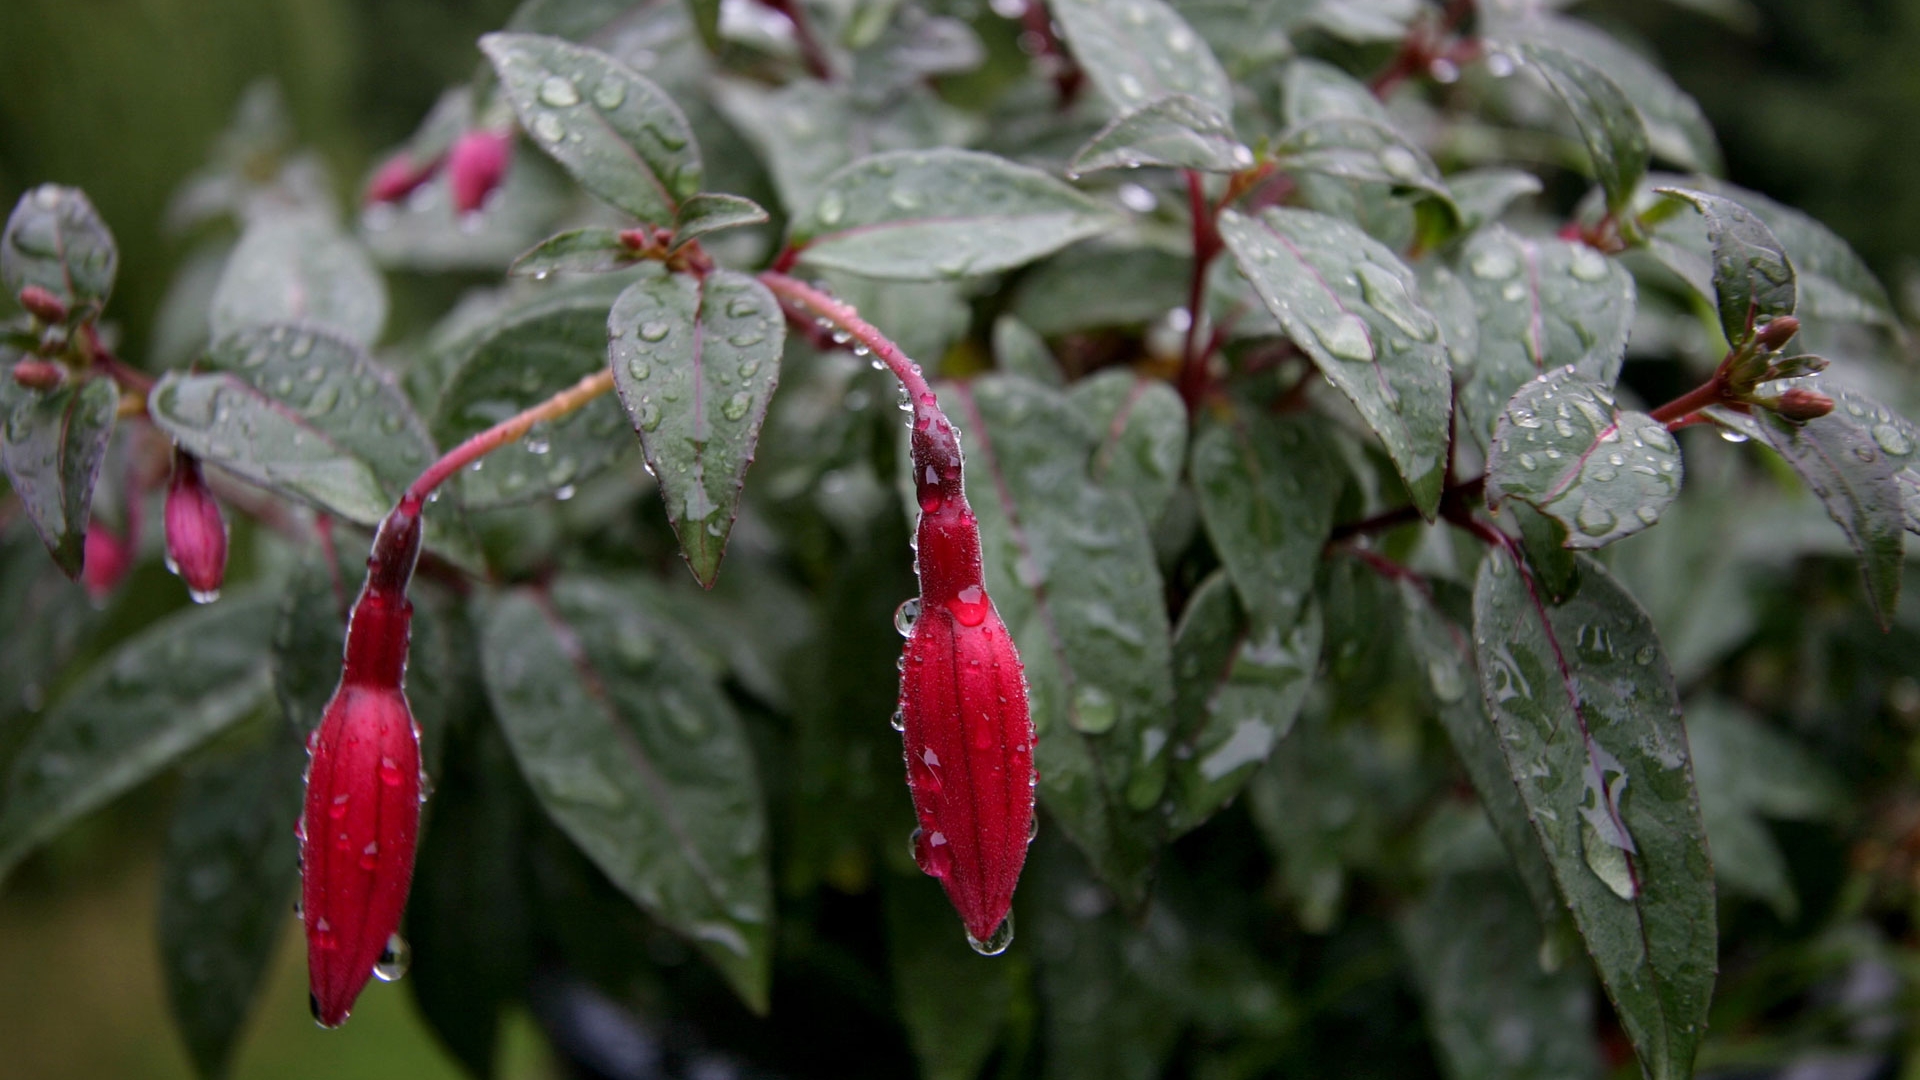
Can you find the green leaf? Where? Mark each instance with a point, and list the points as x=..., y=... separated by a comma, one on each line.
x=1845, y=463
x=1072, y=572
x=1895, y=435
x=1566, y=448
x=1137, y=51
x=695, y=361
x=56, y=240
x=469, y=916
x=1097, y=286
x=1753, y=280
x=53, y=446
x=1677, y=130
x=1266, y=488
x=1443, y=652
x=518, y=362
x=1237, y=692
x=921, y=215
x=1608, y=123
x=226, y=883
x=590, y=250
x=299, y=268
x=160, y=694
x=1748, y=771
x=1589, y=724
x=1178, y=131
x=571, y=19
x=1359, y=148
x=1352, y=306
x=639, y=758
x=619, y=135
x=800, y=130
x=1494, y=1013
x=1143, y=436
x=1483, y=195
x=707, y=213
x=303, y=412
x=1543, y=303
x=1018, y=350
x=953, y=1006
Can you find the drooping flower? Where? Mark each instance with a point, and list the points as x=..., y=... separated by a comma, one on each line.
x=196, y=530
x=400, y=176
x=476, y=165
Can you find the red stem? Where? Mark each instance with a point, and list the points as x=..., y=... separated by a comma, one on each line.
x=812, y=54
x=1206, y=245
x=502, y=433
x=1711, y=392
x=818, y=304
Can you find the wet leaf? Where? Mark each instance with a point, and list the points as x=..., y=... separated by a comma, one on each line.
x=53, y=446
x=800, y=130
x=1237, y=691
x=1849, y=465
x=619, y=135
x=524, y=358
x=1097, y=286
x=590, y=250
x=55, y=239
x=1753, y=279
x=1143, y=436
x=299, y=268
x=708, y=213
x=1566, y=448
x=954, y=1006
x=1493, y=1012
x=1359, y=148
x=1018, y=350
x=1137, y=51
x=1607, y=121
x=921, y=215
x=695, y=361
x=226, y=884
x=1072, y=572
x=1177, y=131
x=1483, y=195
x=1543, y=303
x=1266, y=488
x=1353, y=306
x=154, y=698
x=1589, y=725
x=639, y=758
x=303, y=412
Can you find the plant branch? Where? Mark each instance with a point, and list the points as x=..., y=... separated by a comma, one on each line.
x=819, y=305
x=1711, y=392
x=1206, y=245
x=504, y=432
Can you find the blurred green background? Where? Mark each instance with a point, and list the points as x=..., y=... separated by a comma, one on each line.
x=1815, y=103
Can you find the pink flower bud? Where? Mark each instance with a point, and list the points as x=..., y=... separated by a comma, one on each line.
x=963, y=706
x=1802, y=404
x=42, y=304
x=39, y=374
x=196, y=531
x=475, y=165
x=362, y=814
x=399, y=176
x=1777, y=332
x=105, y=560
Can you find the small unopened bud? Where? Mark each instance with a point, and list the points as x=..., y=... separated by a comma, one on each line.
x=475, y=165
x=1777, y=332
x=39, y=374
x=105, y=560
x=42, y=304
x=196, y=530
x=1802, y=404
x=362, y=813
x=398, y=177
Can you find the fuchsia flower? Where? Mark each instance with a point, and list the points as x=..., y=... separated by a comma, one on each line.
x=362, y=815
x=105, y=560
x=400, y=176
x=475, y=166
x=963, y=703
x=196, y=530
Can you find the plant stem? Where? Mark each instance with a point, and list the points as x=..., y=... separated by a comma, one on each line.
x=502, y=433
x=818, y=304
x=1206, y=245
x=1711, y=392
x=811, y=52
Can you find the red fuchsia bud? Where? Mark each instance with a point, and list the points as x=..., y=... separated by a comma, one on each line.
x=1802, y=404
x=963, y=705
x=42, y=304
x=362, y=812
x=196, y=530
x=1777, y=332
x=39, y=374
x=105, y=560
x=475, y=165
x=400, y=176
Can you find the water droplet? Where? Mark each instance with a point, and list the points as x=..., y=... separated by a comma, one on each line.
x=1448, y=684
x=558, y=92
x=394, y=959
x=996, y=942
x=1892, y=440
x=904, y=198
x=1129, y=86
x=1493, y=264
x=969, y=606
x=654, y=331
x=389, y=772
x=1347, y=339
x=931, y=852
x=1094, y=711
x=1400, y=163
x=1588, y=264
x=609, y=94
x=1733, y=436
x=549, y=128
x=830, y=209
x=906, y=615
x=1594, y=519
x=899, y=720
x=736, y=406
